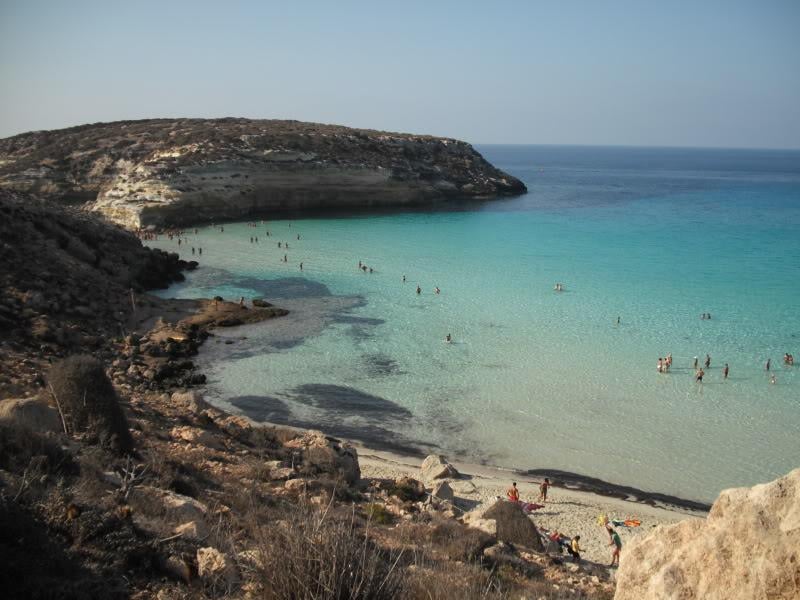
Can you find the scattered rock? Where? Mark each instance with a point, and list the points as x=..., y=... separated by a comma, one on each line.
x=328, y=455
x=32, y=413
x=443, y=491
x=748, y=548
x=514, y=526
x=282, y=474
x=436, y=466
x=213, y=566
x=193, y=530
x=296, y=485
x=502, y=555
x=191, y=401
x=408, y=488
x=194, y=435
x=178, y=507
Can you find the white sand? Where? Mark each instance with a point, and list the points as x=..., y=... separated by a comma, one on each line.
x=571, y=512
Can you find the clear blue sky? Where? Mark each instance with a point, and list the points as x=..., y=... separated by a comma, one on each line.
x=674, y=73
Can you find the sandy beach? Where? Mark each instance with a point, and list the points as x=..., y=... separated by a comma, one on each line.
x=571, y=512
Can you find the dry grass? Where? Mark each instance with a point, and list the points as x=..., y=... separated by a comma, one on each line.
x=318, y=556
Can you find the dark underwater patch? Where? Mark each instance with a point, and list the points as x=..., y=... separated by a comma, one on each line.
x=347, y=401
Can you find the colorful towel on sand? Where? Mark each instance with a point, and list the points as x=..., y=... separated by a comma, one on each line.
x=528, y=507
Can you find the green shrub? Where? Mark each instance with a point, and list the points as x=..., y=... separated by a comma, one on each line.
x=89, y=403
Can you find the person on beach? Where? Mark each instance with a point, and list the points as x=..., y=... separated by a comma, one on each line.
x=708, y=361
x=241, y=301
x=669, y=360
x=725, y=371
x=574, y=549
x=543, y=487
x=616, y=542
x=698, y=377
x=513, y=492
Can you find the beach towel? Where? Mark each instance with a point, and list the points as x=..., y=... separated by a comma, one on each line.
x=529, y=507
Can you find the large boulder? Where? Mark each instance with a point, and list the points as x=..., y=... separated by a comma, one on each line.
x=514, y=526
x=327, y=455
x=32, y=413
x=748, y=548
x=435, y=467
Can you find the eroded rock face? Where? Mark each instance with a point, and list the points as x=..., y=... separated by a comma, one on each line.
x=748, y=548
x=181, y=171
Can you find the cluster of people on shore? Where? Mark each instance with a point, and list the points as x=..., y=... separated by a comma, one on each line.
x=572, y=545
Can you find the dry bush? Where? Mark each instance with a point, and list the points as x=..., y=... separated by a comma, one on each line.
x=315, y=556
x=443, y=581
x=457, y=541
x=89, y=403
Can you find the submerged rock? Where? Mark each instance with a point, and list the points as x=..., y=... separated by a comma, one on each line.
x=748, y=548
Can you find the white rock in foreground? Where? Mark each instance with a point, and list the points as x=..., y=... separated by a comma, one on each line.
x=747, y=549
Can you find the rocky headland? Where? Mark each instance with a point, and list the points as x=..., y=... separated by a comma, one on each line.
x=176, y=172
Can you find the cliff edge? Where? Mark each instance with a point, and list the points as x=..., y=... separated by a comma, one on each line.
x=182, y=171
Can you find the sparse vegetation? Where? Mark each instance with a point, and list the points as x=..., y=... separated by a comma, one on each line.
x=316, y=556
x=88, y=402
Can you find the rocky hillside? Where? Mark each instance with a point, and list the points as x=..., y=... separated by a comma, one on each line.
x=66, y=283
x=748, y=548
x=182, y=171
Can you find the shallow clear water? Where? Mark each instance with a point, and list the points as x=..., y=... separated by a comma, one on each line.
x=535, y=378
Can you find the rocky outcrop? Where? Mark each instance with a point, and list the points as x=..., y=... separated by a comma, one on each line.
x=514, y=526
x=181, y=171
x=436, y=467
x=748, y=548
x=323, y=454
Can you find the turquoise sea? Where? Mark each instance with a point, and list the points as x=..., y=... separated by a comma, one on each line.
x=535, y=378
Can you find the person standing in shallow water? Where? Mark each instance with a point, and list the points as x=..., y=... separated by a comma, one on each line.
x=419, y=290
x=725, y=371
x=708, y=361
x=766, y=366
x=698, y=377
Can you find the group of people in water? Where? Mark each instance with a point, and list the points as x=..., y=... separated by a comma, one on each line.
x=664, y=364
x=571, y=544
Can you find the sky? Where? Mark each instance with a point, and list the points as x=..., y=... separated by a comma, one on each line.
x=641, y=73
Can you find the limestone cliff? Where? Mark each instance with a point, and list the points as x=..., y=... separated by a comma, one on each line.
x=182, y=171
x=748, y=548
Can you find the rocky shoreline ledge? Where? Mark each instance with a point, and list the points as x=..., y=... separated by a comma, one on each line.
x=178, y=172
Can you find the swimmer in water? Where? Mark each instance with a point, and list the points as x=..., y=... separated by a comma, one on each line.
x=448, y=339
x=436, y=290
x=404, y=278
x=419, y=290
x=772, y=379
